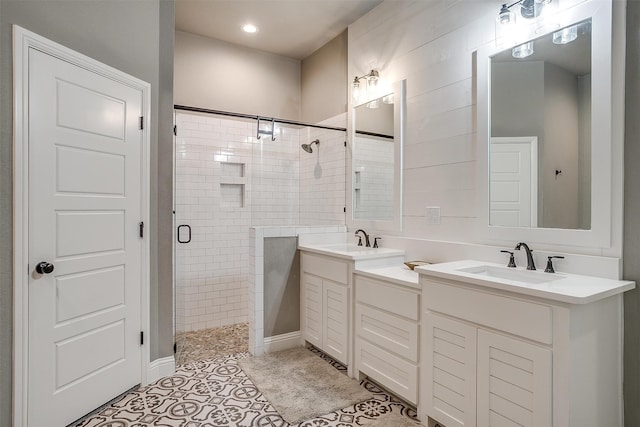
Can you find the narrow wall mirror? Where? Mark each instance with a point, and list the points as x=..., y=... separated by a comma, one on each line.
x=376, y=161
x=545, y=148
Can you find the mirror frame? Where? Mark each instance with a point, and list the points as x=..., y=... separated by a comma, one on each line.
x=604, y=136
x=399, y=118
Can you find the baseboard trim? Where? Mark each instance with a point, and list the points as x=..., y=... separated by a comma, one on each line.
x=282, y=342
x=162, y=367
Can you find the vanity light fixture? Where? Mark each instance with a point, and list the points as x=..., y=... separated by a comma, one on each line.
x=566, y=35
x=388, y=99
x=249, y=28
x=370, y=80
x=522, y=51
x=506, y=20
x=529, y=9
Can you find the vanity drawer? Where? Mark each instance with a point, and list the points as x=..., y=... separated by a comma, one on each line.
x=335, y=270
x=388, y=297
x=522, y=318
x=396, y=374
x=395, y=334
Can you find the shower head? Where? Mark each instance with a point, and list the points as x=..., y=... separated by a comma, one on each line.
x=307, y=147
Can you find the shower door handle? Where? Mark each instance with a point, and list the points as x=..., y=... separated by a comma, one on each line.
x=188, y=227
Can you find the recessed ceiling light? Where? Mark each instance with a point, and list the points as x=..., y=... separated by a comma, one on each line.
x=249, y=28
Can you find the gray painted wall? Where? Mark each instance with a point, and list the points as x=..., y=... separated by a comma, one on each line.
x=325, y=84
x=281, y=286
x=135, y=37
x=217, y=75
x=631, y=248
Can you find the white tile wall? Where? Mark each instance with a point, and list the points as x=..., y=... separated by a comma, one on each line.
x=373, y=178
x=322, y=175
x=227, y=181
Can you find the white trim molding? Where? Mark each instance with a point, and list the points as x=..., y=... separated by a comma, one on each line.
x=23, y=41
x=283, y=342
x=161, y=368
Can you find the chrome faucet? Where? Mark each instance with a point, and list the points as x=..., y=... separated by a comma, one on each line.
x=366, y=238
x=531, y=265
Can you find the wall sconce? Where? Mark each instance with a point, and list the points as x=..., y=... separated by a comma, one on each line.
x=364, y=86
x=506, y=20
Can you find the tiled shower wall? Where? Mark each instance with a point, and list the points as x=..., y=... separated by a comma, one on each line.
x=373, y=178
x=226, y=181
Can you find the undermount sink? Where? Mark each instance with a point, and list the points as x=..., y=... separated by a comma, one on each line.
x=524, y=276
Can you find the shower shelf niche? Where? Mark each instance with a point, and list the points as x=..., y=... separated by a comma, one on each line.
x=232, y=185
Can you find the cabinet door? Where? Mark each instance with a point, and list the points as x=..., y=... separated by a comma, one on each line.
x=335, y=304
x=514, y=382
x=449, y=373
x=312, y=309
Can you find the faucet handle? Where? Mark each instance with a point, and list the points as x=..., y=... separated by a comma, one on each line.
x=512, y=260
x=375, y=241
x=549, y=268
x=359, y=240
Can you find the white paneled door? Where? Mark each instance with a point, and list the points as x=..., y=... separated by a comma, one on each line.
x=513, y=186
x=84, y=248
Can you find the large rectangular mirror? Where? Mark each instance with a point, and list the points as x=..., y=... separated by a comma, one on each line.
x=548, y=148
x=376, y=160
x=540, y=135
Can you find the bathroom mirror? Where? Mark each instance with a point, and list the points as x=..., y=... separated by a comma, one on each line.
x=376, y=160
x=540, y=132
x=546, y=171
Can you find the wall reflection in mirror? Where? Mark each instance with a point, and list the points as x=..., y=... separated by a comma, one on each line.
x=373, y=160
x=540, y=129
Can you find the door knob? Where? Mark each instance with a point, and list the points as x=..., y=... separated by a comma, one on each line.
x=44, y=268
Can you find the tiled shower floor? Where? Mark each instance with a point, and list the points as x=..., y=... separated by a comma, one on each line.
x=204, y=344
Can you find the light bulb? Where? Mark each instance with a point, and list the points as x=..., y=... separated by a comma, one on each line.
x=249, y=28
x=505, y=26
x=356, y=90
x=523, y=50
x=566, y=35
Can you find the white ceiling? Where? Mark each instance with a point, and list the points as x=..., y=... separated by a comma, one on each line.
x=291, y=28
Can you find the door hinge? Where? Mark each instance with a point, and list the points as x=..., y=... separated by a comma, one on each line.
x=141, y=122
x=141, y=337
x=141, y=229
x=344, y=209
x=175, y=348
x=345, y=143
x=175, y=130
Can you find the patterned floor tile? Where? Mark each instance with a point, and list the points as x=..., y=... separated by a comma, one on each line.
x=217, y=393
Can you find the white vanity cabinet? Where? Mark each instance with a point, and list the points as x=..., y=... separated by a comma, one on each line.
x=491, y=357
x=325, y=298
x=326, y=293
x=386, y=325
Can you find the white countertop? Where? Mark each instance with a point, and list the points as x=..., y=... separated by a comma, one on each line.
x=350, y=251
x=399, y=274
x=563, y=287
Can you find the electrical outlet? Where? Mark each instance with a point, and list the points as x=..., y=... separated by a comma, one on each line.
x=433, y=214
